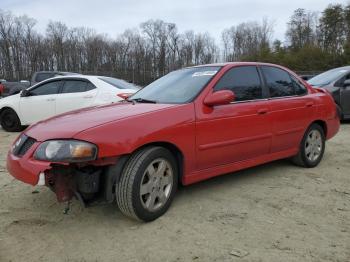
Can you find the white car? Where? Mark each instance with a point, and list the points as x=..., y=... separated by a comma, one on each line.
x=59, y=95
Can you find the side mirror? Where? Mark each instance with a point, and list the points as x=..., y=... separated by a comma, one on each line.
x=222, y=97
x=25, y=93
x=346, y=83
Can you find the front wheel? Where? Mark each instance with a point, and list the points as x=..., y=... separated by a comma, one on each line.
x=10, y=121
x=148, y=184
x=312, y=147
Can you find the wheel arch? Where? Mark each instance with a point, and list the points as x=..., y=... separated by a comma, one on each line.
x=6, y=107
x=177, y=153
x=321, y=123
x=112, y=173
x=9, y=107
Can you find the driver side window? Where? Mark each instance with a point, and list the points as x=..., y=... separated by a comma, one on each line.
x=244, y=81
x=46, y=89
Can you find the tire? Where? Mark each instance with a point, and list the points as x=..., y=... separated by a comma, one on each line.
x=148, y=184
x=9, y=121
x=312, y=147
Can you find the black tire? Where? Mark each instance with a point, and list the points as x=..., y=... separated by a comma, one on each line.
x=128, y=190
x=302, y=159
x=9, y=121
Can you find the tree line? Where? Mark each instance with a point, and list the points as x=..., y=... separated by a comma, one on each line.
x=313, y=42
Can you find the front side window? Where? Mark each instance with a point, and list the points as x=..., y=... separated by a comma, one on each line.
x=278, y=81
x=177, y=87
x=244, y=81
x=46, y=89
x=74, y=86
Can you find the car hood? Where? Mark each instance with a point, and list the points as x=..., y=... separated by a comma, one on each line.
x=9, y=99
x=69, y=124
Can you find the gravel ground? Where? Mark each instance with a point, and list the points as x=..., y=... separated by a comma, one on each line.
x=274, y=212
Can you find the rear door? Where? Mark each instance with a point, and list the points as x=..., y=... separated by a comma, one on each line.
x=291, y=108
x=75, y=94
x=40, y=103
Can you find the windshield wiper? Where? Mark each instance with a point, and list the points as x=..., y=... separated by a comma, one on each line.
x=142, y=100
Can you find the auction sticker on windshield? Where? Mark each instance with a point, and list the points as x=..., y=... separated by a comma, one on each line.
x=204, y=73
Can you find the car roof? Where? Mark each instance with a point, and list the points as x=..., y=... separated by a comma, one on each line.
x=58, y=72
x=341, y=68
x=237, y=63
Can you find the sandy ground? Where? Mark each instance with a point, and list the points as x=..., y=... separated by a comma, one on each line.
x=275, y=212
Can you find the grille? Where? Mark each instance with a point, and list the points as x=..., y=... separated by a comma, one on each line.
x=24, y=146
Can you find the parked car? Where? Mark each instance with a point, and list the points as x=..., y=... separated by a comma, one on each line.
x=12, y=88
x=306, y=77
x=190, y=125
x=59, y=95
x=337, y=82
x=2, y=87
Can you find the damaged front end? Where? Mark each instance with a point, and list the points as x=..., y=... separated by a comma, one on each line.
x=70, y=168
x=70, y=181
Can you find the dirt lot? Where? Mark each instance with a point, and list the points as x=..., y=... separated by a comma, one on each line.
x=275, y=212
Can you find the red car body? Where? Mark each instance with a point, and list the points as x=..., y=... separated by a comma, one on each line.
x=1, y=89
x=209, y=140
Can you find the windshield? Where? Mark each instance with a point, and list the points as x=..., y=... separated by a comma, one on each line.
x=118, y=83
x=327, y=77
x=177, y=87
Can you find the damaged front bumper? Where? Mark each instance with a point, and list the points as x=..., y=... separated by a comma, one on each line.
x=25, y=168
x=84, y=180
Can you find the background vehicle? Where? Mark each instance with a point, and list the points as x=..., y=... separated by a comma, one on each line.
x=12, y=88
x=2, y=87
x=306, y=77
x=59, y=95
x=188, y=126
x=337, y=82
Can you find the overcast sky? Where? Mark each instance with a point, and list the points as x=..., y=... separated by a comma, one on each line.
x=113, y=17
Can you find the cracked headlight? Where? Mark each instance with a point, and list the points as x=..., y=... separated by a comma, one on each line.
x=66, y=151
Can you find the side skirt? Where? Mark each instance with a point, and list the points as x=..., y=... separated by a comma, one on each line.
x=232, y=167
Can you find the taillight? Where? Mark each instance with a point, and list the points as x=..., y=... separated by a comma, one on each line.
x=124, y=95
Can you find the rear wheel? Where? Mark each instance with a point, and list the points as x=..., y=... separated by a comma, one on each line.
x=312, y=147
x=148, y=184
x=9, y=121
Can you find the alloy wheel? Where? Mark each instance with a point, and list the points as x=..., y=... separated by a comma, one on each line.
x=156, y=184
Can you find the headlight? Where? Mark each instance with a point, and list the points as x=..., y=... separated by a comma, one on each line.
x=66, y=151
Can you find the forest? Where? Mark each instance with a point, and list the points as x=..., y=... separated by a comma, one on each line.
x=313, y=42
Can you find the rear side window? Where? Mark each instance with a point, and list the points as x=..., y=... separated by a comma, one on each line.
x=244, y=81
x=90, y=86
x=118, y=83
x=46, y=89
x=278, y=81
x=299, y=88
x=74, y=86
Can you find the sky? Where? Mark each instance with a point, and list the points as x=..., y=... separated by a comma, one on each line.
x=113, y=17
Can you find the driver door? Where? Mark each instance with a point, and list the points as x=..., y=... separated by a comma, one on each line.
x=238, y=131
x=40, y=103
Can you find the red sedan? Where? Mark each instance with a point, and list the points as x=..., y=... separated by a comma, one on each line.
x=190, y=125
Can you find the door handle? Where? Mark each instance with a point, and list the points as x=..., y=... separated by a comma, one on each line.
x=262, y=111
x=88, y=96
x=50, y=99
x=309, y=104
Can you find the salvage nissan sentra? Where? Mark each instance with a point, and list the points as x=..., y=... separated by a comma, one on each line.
x=188, y=126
